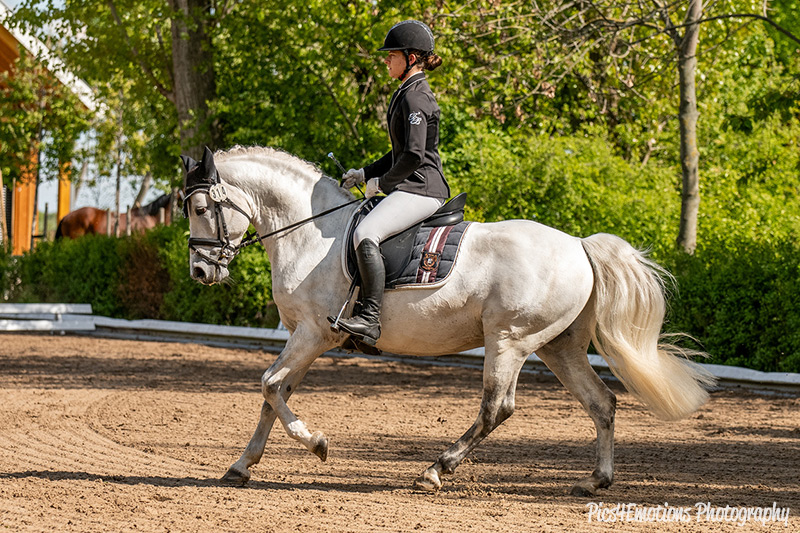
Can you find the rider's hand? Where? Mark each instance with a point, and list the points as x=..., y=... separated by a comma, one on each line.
x=373, y=187
x=352, y=177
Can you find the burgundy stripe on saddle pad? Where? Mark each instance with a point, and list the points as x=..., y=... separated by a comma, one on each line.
x=433, y=256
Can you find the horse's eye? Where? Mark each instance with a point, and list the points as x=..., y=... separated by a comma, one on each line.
x=200, y=211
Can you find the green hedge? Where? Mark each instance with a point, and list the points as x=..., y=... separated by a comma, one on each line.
x=142, y=276
x=738, y=295
x=742, y=303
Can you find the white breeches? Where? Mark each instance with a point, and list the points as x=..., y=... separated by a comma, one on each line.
x=395, y=213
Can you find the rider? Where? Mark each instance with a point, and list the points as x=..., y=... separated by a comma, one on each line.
x=410, y=174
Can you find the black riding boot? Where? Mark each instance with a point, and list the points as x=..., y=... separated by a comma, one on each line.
x=366, y=325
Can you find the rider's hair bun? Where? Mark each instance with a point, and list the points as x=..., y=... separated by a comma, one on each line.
x=432, y=61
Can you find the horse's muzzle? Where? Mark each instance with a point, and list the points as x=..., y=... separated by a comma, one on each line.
x=207, y=273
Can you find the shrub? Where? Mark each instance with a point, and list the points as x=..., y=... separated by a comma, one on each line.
x=575, y=184
x=142, y=276
x=742, y=303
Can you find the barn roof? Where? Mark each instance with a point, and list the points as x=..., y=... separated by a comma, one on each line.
x=10, y=41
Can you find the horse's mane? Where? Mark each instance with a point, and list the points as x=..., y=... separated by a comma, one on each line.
x=270, y=153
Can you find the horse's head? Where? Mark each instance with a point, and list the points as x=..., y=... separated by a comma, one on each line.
x=219, y=215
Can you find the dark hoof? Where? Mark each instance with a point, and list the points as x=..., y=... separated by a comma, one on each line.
x=234, y=478
x=320, y=448
x=581, y=492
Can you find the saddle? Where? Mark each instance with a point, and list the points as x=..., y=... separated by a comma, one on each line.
x=412, y=256
x=397, y=251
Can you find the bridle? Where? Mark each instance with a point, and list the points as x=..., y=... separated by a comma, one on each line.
x=219, y=197
x=218, y=194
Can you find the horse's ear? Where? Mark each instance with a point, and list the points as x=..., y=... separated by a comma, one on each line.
x=188, y=162
x=208, y=165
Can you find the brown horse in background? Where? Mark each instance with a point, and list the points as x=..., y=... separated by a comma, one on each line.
x=93, y=221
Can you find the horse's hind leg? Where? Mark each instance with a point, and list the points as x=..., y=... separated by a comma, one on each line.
x=566, y=357
x=503, y=362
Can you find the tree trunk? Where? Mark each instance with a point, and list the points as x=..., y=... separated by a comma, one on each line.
x=193, y=72
x=140, y=196
x=687, y=66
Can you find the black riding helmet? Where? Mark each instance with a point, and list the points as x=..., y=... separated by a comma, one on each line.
x=409, y=35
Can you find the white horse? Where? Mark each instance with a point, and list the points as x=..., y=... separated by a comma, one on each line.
x=518, y=287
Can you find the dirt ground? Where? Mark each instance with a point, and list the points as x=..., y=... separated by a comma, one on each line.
x=110, y=435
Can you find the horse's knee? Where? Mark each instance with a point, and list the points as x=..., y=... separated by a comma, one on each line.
x=493, y=416
x=505, y=411
x=270, y=386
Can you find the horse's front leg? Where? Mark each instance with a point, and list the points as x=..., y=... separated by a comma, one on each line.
x=239, y=472
x=274, y=384
x=278, y=384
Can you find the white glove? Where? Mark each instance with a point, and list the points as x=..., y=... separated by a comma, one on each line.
x=352, y=177
x=373, y=187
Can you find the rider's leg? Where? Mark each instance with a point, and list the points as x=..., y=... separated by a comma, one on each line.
x=395, y=213
x=366, y=324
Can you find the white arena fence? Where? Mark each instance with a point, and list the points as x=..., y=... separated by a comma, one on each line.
x=78, y=319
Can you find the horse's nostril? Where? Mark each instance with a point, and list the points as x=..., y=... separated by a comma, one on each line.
x=198, y=273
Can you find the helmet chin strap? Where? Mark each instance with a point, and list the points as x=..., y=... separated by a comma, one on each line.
x=409, y=66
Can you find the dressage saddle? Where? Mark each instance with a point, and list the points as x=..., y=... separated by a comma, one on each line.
x=396, y=250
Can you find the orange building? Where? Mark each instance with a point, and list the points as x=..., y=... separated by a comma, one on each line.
x=23, y=199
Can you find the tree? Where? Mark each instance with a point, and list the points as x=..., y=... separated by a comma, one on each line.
x=284, y=66
x=37, y=115
x=163, y=50
x=611, y=47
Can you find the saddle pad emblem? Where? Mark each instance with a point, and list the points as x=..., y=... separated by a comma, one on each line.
x=429, y=261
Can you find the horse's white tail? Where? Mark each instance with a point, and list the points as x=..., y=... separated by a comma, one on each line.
x=629, y=305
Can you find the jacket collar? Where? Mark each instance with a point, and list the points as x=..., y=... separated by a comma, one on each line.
x=412, y=80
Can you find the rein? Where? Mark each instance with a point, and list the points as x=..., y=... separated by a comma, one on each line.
x=253, y=237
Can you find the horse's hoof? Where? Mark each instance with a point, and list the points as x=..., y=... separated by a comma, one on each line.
x=235, y=478
x=428, y=481
x=581, y=491
x=319, y=445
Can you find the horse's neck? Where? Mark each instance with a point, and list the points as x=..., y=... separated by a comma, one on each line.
x=281, y=200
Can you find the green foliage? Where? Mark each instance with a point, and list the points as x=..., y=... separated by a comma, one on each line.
x=36, y=113
x=128, y=63
x=244, y=300
x=562, y=122
x=742, y=302
x=284, y=66
x=142, y=276
x=576, y=184
x=50, y=273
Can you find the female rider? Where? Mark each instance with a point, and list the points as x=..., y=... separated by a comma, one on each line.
x=410, y=174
